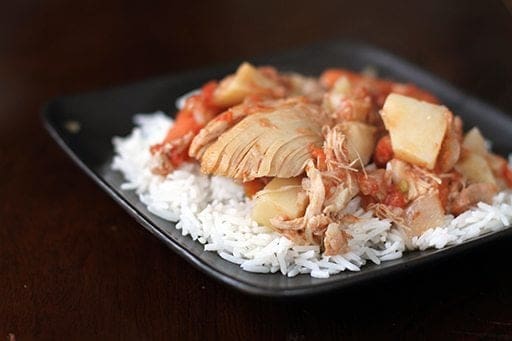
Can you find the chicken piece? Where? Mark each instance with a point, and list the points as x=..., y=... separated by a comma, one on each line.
x=223, y=122
x=299, y=85
x=308, y=229
x=412, y=180
x=171, y=154
x=473, y=194
x=335, y=240
x=451, y=185
x=315, y=188
x=339, y=175
x=422, y=214
x=346, y=102
x=320, y=223
x=267, y=143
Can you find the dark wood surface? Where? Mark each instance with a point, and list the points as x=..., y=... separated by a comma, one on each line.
x=74, y=265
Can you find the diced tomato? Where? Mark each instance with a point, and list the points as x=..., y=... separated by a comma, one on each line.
x=368, y=185
x=319, y=155
x=330, y=76
x=178, y=158
x=383, y=151
x=367, y=200
x=507, y=174
x=444, y=191
x=207, y=93
x=185, y=122
x=380, y=88
x=198, y=110
x=415, y=92
x=253, y=187
x=395, y=198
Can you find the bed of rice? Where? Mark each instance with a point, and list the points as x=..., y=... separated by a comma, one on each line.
x=215, y=212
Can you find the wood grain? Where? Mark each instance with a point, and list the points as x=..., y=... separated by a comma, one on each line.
x=74, y=266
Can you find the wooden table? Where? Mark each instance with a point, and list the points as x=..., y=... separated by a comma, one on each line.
x=74, y=265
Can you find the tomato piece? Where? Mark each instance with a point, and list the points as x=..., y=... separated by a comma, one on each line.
x=507, y=174
x=395, y=198
x=413, y=91
x=383, y=151
x=367, y=200
x=252, y=187
x=330, y=76
x=185, y=122
x=318, y=154
x=207, y=91
x=368, y=185
x=197, y=111
x=444, y=191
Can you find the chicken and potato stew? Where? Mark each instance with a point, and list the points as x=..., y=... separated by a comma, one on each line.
x=304, y=147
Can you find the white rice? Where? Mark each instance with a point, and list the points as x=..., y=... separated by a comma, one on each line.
x=215, y=212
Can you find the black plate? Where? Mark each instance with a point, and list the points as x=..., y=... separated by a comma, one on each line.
x=108, y=113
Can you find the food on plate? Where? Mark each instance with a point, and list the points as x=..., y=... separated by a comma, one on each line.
x=326, y=173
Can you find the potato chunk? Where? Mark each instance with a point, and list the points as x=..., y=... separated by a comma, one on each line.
x=475, y=142
x=361, y=140
x=416, y=128
x=246, y=81
x=475, y=169
x=280, y=197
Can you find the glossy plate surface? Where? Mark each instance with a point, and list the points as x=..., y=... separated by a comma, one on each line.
x=104, y=114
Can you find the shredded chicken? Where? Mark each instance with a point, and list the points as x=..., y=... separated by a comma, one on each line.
x=313, y=220
x=473, y=194
x=309, y=87
x=414, y=180
x=395, y=214
x=336, y=240
x=339, y=174
x=162, y=162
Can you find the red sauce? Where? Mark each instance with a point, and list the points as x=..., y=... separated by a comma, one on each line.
x=253, y=187
x=507, y=174
x=383, y=151
x=226, y=116
x=318, y=154
x=207, y=93
x=395, y=198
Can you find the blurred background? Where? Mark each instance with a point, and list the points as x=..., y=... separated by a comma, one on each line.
x=54, y=47
x=74, y=265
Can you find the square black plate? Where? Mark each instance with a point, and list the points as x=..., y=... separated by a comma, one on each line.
x=108, y=113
